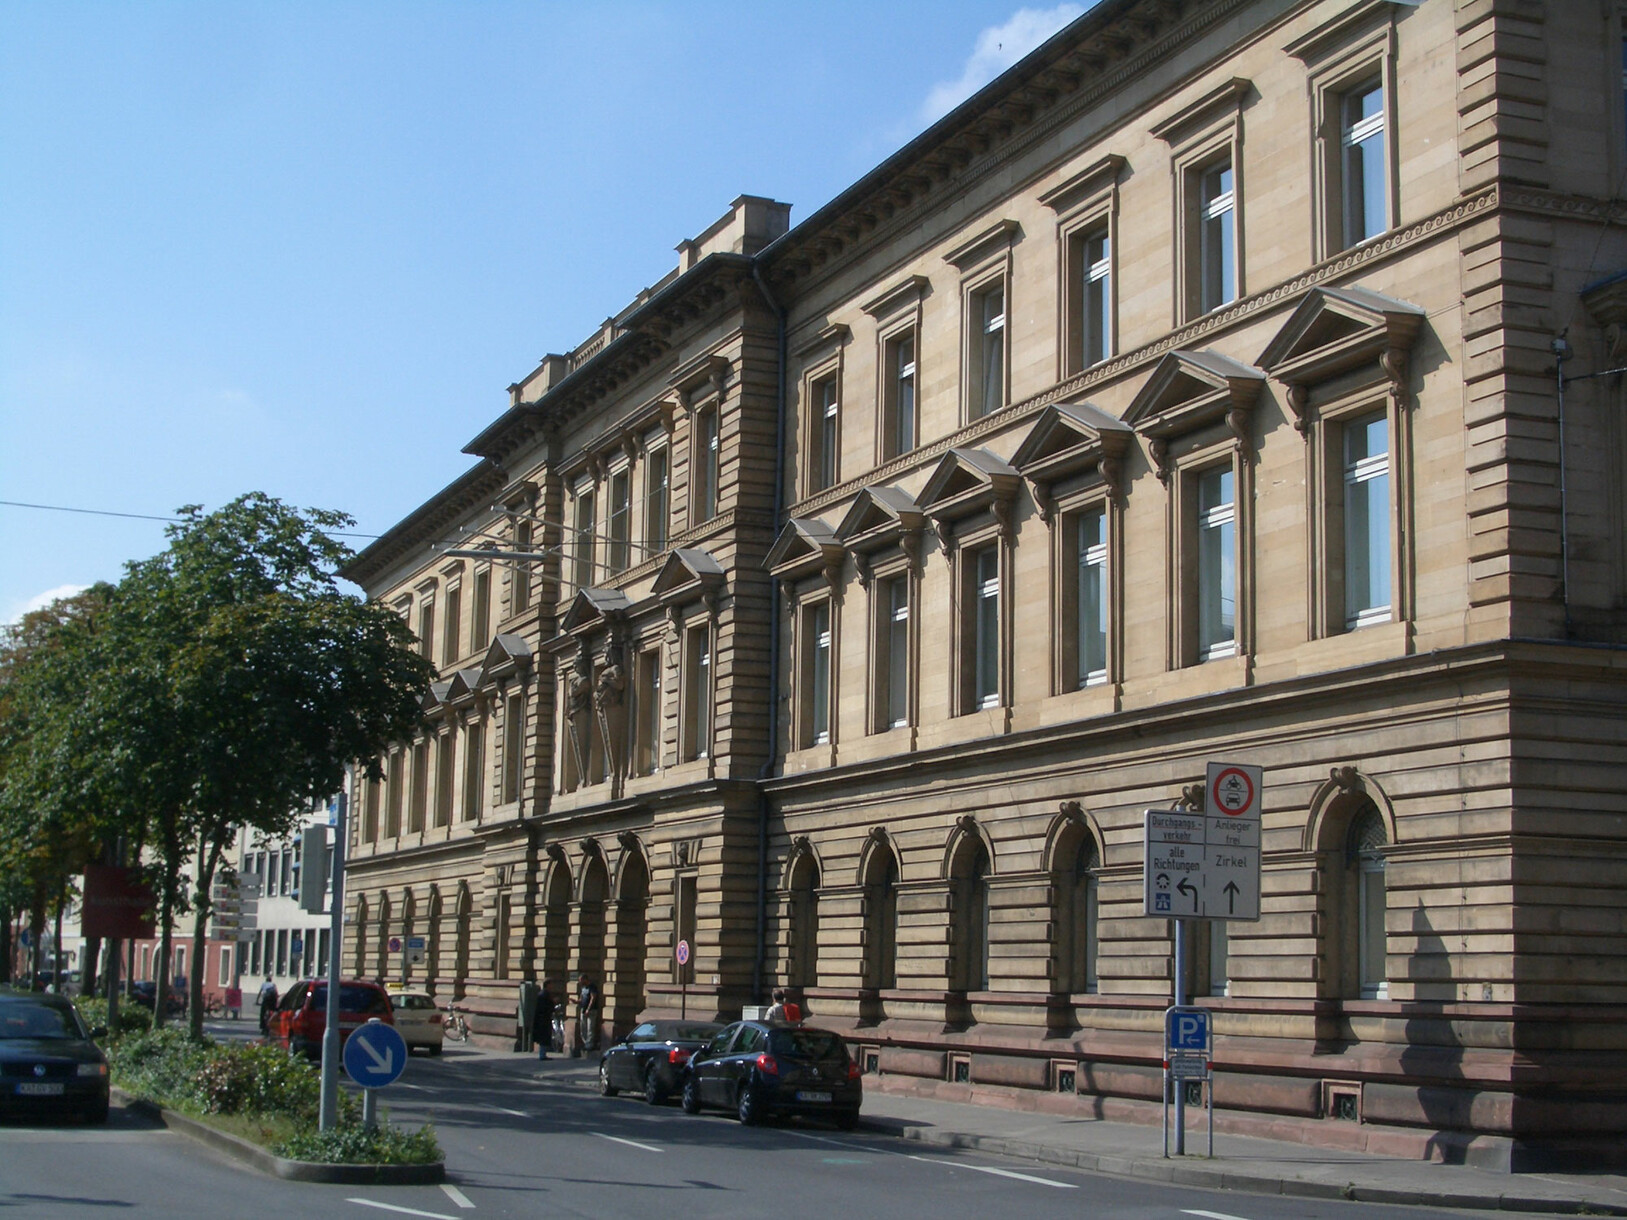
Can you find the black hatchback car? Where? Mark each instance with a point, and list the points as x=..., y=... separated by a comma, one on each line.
x=48, y=1063
x=651, y=1059
x=763, y=1070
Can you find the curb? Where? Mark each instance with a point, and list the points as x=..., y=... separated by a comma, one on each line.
x=1180, y=1174
x=250, y=1153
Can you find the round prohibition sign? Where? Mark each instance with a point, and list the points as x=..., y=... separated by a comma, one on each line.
x=682, y=953
x=1233, y=791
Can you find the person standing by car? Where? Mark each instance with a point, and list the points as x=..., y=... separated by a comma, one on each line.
x=268, y=1003
x=542, y=1022
x=587, y=1013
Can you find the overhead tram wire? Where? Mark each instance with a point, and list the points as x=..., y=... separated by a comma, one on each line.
x=106, y=512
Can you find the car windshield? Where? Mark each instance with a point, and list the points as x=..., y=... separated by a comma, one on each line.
x=422, y=1002
x=352, y=998
x=37, y=1021
x=674, y=1031
x=806, y=1044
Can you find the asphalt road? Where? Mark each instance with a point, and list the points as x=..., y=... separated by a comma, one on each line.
x=530, y=1140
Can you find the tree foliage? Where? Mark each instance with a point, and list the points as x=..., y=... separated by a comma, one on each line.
x=223, y=683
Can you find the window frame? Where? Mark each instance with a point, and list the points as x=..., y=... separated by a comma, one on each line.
x=696, y=689
x=657, y=495
x=513, y=774
x=985, y=339
x=452, y=622
x=1095, y=500
x=474, y=765
x=885, y=581
x=584, y=521
x=1085, y=204
x=1339, y=58
x=706, y=462
x=898, y=315
x=896, y=373
x=645, y=717
x=619, y=520
x=814, y=712
x=971, y=631
x=480, y=610
x=1202, y=135
x=1186, y=647
x=445, y=774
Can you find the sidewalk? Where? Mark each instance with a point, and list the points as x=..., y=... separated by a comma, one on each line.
x=1253, y=1165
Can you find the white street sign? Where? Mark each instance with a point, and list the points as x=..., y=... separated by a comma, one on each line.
x=1207, y=865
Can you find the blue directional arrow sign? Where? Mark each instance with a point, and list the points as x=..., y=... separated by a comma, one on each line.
x=375, y=1055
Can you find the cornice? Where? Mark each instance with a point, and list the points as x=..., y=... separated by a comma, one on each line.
x=995, y=126
x=470, y=490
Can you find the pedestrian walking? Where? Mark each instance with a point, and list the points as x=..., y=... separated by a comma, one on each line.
x=542, y=1022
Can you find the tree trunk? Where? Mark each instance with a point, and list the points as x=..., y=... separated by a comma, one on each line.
x=90, y=961
x=208, y=864
x=36, y=933
x=166, y=932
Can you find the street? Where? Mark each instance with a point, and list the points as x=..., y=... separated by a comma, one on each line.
x=524, y=1139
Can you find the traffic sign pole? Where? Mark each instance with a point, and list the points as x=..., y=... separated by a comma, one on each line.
x=328, y=1117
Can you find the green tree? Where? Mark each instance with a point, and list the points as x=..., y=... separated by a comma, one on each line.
x=257, y=680
x=50, y=827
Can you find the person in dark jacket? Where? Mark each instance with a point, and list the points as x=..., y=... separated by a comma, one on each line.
x=587, y=1014
x=268, y=1003
x=542, y=1022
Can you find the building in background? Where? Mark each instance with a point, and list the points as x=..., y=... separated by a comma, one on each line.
x=1191, y=393
x=287, y=943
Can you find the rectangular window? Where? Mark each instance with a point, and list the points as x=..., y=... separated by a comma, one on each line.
x=420, y=787
x=282, y=951
x=521, y=575
x=285, y=886
x=984, y=568
x=824, y=436
x=225, y=966
x=1090, y=287
x=621, y=519
x=987, y=346
x=513, y=748
x=582, y=567
x=370, y=812
x=450, y=630
x=426, y=628
x=254, y=953
x=893, y=663
x=1367, y=521
x=1090, y=594
x=1362, y=161
x=697, y=692
x=706, y=465
x=899, y=406
x=816, y=643
x=445, y=747
x=647, y=712
x=392, y=804
x=655, y=501
x=1217, y=564
x=480, y=619
x=1217, y=236
x=474, y=771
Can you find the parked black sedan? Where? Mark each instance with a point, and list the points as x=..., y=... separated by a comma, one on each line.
x=761, y=1070
x=48, y=1063
x=651, y=1059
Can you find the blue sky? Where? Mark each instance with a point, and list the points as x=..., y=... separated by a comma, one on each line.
x=303, y=248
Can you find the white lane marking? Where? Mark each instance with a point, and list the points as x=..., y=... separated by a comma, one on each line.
x=616, y=1139
x=417, y=1087
x=456, y=1195
x=1004, y=1173
x=825, y=1139
x=405, y=1211
x=1189, y=1211
x=516, y=1113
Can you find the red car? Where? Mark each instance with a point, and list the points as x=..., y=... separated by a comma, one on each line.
x=302, y=1017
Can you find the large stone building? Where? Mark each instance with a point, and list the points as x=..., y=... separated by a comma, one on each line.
x=1190, y=393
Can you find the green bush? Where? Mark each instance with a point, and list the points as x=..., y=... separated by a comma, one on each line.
x=133, y=1018
x=353, y=1144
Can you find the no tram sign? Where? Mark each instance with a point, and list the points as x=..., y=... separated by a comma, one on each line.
x=1234, y=789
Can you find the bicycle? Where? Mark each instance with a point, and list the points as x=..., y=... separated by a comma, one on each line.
x=456, y=1027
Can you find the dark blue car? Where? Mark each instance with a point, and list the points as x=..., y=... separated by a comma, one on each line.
x=763, y=1070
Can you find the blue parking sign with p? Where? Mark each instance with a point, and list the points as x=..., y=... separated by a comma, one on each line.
x=1186, y=1029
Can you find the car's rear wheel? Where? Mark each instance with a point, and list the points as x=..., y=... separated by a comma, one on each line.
x=95, y=1112
x=653, y=1092
x=747, y=1108
x=691, y=1100
x=435, y=1049
x=606, y=1089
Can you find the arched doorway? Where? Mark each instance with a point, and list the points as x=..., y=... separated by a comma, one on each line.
x=969, y=913
x=802, y=969
x=590, y=919
x=632, y=907
x=556, y=930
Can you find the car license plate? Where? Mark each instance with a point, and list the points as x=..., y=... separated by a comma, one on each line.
x=32, y=1088
x=812, y=1095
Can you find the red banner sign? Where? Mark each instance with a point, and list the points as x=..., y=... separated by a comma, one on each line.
x=117, y=903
